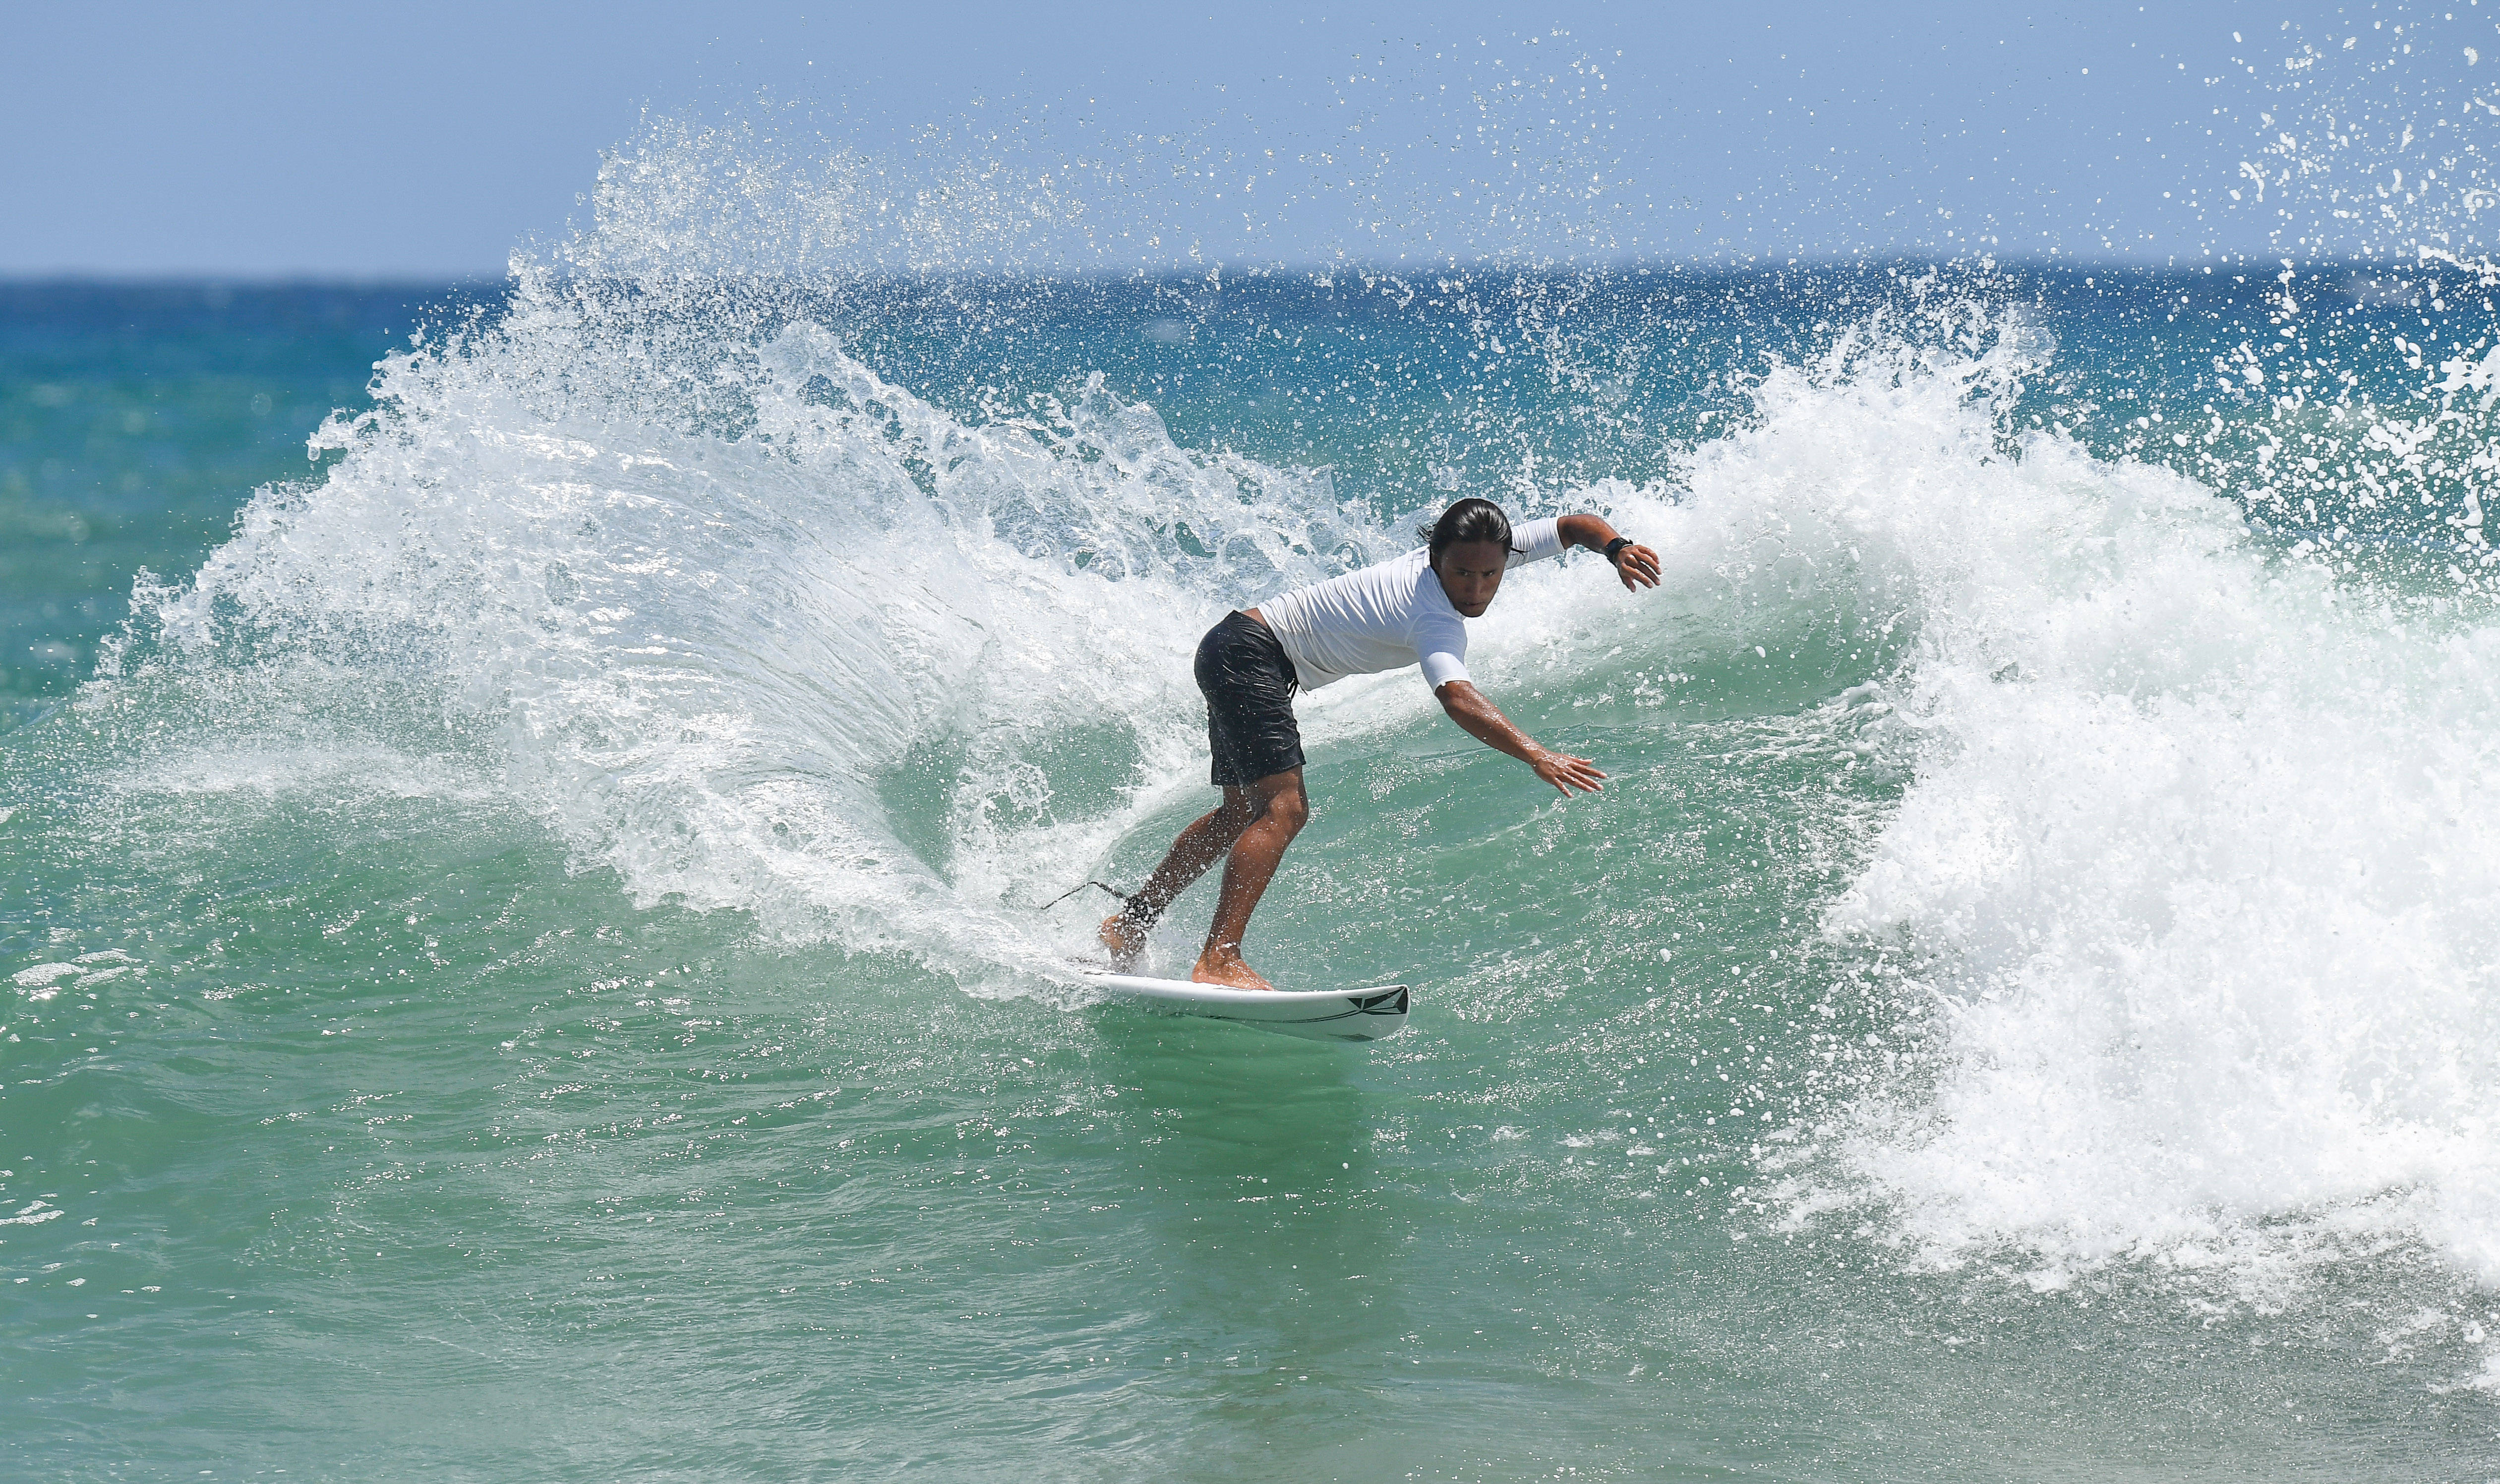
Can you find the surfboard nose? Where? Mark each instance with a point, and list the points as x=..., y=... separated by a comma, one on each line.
x=1388, y=1001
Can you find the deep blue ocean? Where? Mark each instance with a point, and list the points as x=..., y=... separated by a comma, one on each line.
x=524, y=811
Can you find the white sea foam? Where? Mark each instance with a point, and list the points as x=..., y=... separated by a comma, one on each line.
x=2193, y=855
x=707, y=660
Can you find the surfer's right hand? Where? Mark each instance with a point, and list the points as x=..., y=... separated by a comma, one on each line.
x=1567, y=772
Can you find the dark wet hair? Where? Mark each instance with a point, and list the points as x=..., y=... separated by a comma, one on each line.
x=1468, y=521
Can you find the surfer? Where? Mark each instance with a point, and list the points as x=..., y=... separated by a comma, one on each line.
x=1408, y=611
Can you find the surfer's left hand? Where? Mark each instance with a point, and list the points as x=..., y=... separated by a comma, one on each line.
x=1637, y=565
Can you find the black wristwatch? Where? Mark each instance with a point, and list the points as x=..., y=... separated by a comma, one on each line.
x=1617, y=544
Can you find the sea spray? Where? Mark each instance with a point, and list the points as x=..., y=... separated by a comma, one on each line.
x=2189, y=865
x=700, y=656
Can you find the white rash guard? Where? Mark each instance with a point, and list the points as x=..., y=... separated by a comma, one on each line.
x=1387, y=615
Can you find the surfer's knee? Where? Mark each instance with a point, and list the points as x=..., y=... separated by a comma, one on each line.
x=1290, y=809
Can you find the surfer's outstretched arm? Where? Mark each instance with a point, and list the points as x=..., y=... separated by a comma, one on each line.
x=1480, y=720
x=1636, y=564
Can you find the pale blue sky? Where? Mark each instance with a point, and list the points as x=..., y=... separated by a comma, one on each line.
x=367, y=140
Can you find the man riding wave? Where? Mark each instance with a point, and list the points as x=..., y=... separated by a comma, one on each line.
x=1408, y=611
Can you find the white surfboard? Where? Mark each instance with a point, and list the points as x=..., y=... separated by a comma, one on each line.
x=1320, y=1015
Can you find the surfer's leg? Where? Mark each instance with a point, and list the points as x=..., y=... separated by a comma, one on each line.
x=1283, y=807
x=1256, y=754
x=1199, y=846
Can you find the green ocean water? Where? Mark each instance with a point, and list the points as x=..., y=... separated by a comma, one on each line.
x=524, y=935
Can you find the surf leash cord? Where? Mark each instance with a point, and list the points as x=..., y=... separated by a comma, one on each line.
x=1080, y=886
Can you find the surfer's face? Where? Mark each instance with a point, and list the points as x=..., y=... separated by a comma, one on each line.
x=1471, y=573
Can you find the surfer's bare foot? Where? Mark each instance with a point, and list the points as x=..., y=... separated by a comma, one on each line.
x=1224, y=966
x=1125, y=939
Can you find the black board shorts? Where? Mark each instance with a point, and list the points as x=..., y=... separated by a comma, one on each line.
x=1249, y=682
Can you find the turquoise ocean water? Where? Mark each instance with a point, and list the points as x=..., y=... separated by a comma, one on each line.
x=522, y=930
